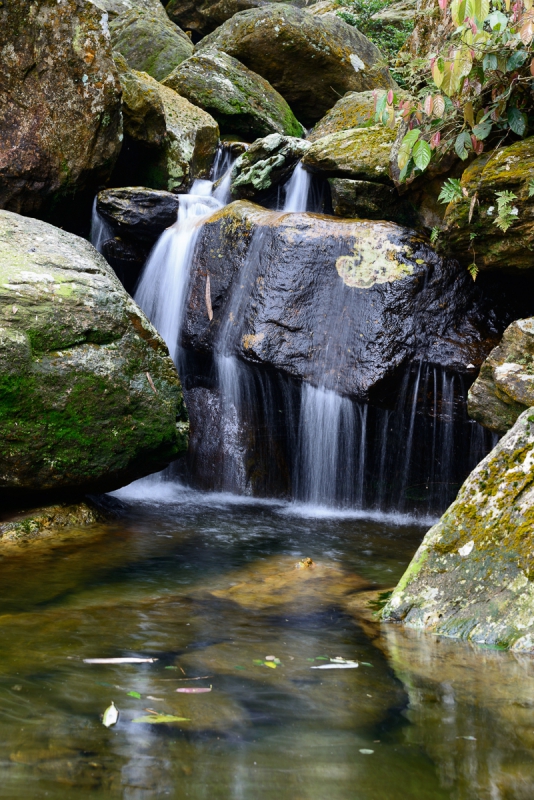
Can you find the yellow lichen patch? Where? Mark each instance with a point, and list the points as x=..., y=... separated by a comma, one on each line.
x=250, y=340
x=373, y=262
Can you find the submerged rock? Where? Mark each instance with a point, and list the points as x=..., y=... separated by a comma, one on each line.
x=472, y=576
x=508, y=169
x=88, y=394
x=241, y=101
x=42, y=523
x=311, y=61
x=358, y=153
x=505, y=385
x=149, y=42
x=338, y=303
x=265, y=165
x=168, y=141
x=203, y=16
x=60, y=115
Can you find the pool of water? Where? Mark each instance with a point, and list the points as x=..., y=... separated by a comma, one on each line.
x=207, y=585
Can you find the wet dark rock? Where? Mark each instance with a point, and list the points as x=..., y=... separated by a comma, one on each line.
x=203, y=16
x=310, y=60
x=89, y=396
x=60, y=109
x=342, y=303
x=505, y=385
x=265, y=165
x=242, y=102
x=368, y=200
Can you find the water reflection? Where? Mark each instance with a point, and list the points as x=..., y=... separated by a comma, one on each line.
x=211, y=590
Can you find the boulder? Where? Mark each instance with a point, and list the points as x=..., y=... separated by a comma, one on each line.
x=60, y=111
x=168, y=141
x=117, y=8
x=505, y=385
x=398, y=13
x=150, y=43
x=203, y=16
x=332, y=57
x=507, y=169
x=242, y=102
x=358, y=153
x=340, y=303
x=353, y=110
x=368, y=200
x=89, y=397
x=265, y=165
x=471, y=578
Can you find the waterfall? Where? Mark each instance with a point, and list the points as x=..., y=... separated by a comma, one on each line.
x=297, y=190
x=101, y=231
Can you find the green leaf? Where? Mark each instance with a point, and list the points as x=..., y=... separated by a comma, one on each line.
x=473, y=271
x=160, y=719
x=422, y=154
x=517, y=121
x=381, y=104
x=411, y=137
x=497, y=21
x=134, y=694
x=483, y=129
x=531, y=187
x=462, y=145
x=516, y=60
x=489, y=62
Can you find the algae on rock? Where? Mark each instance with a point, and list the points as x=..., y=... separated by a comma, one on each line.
x=89, y=396
x=242, y=102
x=472, y=577
x=168, y=141
x=358, y=153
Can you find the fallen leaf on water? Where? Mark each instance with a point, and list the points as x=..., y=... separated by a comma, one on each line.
x=193, y=689
x=271, y=664
x=338, y=665
x=119, y=660
x=468, y=738
x=366, y=752
x=236, y=666
x=110, y=715
x=134, y=694
x=366, y=664
x=158, y=699
x=159, y=719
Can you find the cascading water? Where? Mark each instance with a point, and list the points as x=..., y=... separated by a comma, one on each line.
x=101, y=231
x=297, y=190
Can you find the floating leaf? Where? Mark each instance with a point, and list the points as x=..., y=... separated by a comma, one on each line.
x=270, y=664
x=134, y=694
x=338, y=665
x=366, y=664
x=160, y=719
x=119, y=660
x=194, y=689
x=366, y=752
x=110, y=715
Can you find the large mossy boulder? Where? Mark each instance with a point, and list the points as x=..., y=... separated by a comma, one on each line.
x=168, y=141
x=334, y=302
x=351, y=111
x=60, y=110
x=150, y=43
x=89, y=396
x=505, y=385
x=472, y=577
x=310, y=60
x=358, y=153
x=117, y=8
x=265, y=165
x=242, y=102
x=203, y=16
x=508, y=169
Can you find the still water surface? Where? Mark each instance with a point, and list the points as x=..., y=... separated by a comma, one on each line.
x=207, y=585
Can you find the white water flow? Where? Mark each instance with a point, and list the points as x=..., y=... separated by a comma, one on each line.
x=101, y=231
x=297, y=190
x=162, y=288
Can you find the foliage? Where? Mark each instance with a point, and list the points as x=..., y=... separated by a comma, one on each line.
x=434, y=235
x=506, y=213
x=450, y=191
x=388, y=38
x=477, y=88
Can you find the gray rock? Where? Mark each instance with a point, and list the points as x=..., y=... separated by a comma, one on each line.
x=505, y=386
x=203, y=16
x=358, y=153
x=89, y=396
x=472, y=576
x=242, y=102
x=311, y=61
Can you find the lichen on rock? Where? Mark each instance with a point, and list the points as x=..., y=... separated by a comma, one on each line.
x=472, y=577
x=265, y=165
x=358, y=153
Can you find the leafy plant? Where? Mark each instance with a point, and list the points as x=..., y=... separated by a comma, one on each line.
x=531, y=187
x=473, y=270
x=506, y=213
x=434, y=235
x=451, y=191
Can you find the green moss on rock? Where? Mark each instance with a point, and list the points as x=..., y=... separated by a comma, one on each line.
x=358, y=153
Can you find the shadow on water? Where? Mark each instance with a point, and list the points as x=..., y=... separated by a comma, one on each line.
x=207, y=584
